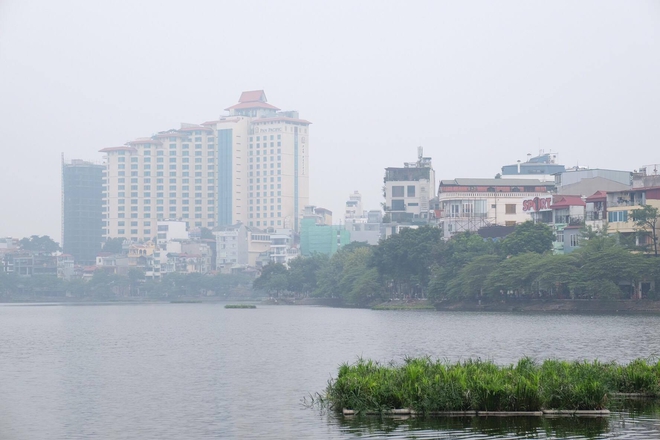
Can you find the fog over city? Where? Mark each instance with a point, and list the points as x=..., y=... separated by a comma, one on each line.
x=477, y=84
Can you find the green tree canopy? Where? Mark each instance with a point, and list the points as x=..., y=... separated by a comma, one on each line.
x=114, y=245
x=303, y=271
x=38, y=243
x=453, y=255
x=405, y=259
x=273, y=278
x=207, y=234
x=471, y=279
x=515, y=275
x=528, y=237
x=646, y=218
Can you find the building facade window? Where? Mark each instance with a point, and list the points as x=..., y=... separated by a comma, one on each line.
x=617, y=216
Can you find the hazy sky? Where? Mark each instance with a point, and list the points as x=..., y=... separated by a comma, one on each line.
x=477, y=84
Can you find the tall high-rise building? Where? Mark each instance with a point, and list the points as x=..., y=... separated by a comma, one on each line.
x=82, y=216
x=276, y=164
x=249, y=166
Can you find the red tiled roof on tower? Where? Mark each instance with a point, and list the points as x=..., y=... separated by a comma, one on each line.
x=253, y=95
x=252, y=99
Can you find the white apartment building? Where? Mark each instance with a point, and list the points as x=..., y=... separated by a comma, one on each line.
x=169, y=230
x=169, y=176
x=231, y=243
x=471, y=204
x=353, y=207
x=249, y=166
x=281, y=247
x=408, y=192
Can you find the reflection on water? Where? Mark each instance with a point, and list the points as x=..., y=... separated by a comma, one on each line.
x=632, y=419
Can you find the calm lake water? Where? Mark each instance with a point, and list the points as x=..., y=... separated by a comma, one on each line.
x=197, y=371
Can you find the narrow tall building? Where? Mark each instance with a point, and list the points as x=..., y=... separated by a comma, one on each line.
x=408, y=191
x=82, y=216
x=249, y=166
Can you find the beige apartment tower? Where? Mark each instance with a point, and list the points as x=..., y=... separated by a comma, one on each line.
x=249, y=166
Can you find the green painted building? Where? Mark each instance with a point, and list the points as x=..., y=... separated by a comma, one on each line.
x=322, y=239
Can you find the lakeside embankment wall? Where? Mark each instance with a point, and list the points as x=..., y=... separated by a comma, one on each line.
x=555, y=306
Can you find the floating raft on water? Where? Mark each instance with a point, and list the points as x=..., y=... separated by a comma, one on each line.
x=553, y=388
x=403, y=412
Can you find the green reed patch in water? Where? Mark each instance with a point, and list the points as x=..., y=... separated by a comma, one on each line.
x=425, y=385
x=240, y=306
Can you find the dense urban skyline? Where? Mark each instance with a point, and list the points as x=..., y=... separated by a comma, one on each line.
x=477, y=85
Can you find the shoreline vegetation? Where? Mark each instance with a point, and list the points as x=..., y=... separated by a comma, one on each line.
x=413, y=269
x=418, y=264
x=421, y=386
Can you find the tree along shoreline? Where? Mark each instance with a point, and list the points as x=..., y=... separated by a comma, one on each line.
x=550, y=306
x=419, y=264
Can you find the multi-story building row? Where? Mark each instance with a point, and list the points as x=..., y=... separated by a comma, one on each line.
x=249, y=166
x=239, y=247
x=471, y=204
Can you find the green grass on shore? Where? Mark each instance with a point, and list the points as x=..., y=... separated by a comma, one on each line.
x=425, y=385
x=240, y=306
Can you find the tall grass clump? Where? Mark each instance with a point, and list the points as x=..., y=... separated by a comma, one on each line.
x=573, y=385
x=430, y=386
x=639, y=376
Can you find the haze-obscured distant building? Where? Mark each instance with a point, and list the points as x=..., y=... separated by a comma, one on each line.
x=542, y=167
x=170, y=230
x=82, y=210
x=353, y=207
x=282, y=248
x=648, y=176
x=367, y=229
x=30, y=263
x=231, y=247
x=251, y=165
x=65, y=266
x=363, y=226
x=586, y=181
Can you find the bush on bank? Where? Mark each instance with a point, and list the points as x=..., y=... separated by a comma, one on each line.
x=425, y=385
